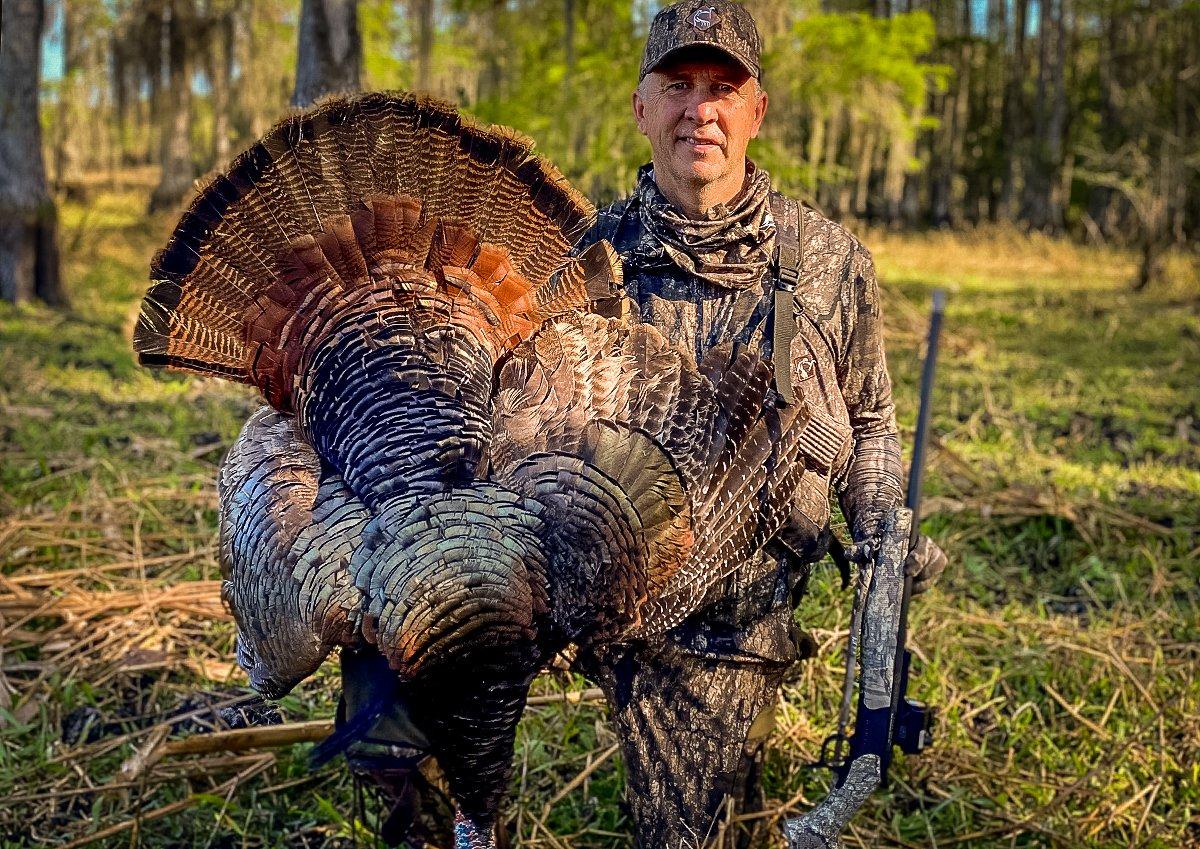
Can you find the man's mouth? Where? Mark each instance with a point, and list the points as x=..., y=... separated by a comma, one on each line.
x=698, y=143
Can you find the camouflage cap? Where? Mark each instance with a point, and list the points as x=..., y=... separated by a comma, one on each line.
x=712, y=23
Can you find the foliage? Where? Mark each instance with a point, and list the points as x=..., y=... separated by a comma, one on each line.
x=861, y=60
x=948, y=113
x=1060, y=649
x=869, y=69
x=383, y=29
x=577, y=107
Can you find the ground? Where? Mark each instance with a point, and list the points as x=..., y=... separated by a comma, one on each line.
x=1061, y=649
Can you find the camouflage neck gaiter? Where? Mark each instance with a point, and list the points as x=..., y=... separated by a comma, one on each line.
x=730, y=247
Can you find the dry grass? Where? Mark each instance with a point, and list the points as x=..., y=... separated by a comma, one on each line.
x=1061, y=650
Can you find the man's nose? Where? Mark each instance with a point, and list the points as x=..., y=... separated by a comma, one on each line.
x=702, y=108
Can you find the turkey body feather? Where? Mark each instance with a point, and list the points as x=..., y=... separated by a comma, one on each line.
x=464, y=466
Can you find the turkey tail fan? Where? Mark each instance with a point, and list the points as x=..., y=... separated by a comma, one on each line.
x=594, y=275
x=570, y=373
x=732, y=452
x=474, y=186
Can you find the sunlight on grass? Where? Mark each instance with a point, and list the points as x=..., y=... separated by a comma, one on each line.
x=1060, y=649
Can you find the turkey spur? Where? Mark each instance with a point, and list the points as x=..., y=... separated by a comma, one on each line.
x=467, y=463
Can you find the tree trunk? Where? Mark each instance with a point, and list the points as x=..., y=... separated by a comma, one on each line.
x=828, y=194
x=66, y=156
x=220, y=68
x=577, y=125
x=900, y=151
x=1056, y=125
x=862, y=185
x=330, y=51
x=992, y=105
x=249, y=47
x=816, y=149
x=121, y=95
x=491, y=74
x=958, y=138
x=28, y=218
x=941, y=167
x=1104, y=200
x=423, y=13
x=175, y=143
x=1014, y=114
x=1042, y=206
x=1183, y=106
x=844, y=190
x=569, y=39
x=1153, y=251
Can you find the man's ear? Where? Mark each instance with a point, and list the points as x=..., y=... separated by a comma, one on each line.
x=760, y=111
x=639, y=111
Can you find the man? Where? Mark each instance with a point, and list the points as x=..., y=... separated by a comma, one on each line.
x=707, y=245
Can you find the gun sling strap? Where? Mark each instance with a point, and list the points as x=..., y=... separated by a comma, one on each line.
x=789, y=240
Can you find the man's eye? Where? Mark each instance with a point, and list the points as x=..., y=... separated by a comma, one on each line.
x=676, y=86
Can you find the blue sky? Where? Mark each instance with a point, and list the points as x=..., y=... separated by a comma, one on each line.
x=52, y=48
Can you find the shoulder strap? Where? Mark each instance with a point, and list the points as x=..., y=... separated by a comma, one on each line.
x=789, y=240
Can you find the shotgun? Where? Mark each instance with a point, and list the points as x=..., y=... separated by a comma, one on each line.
x=886, y=717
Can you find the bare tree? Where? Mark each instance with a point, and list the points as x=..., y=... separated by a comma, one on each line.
x=422, y=11
x=175, y=105
x=1042, y=205
x=330, y=57
x=28, y=218
x=219, y=62
x=1151, y=184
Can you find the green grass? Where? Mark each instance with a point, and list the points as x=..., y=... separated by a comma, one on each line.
x=1061, y=648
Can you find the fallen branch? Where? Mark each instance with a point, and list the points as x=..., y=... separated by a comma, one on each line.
x=276, y=736
x=243, y=739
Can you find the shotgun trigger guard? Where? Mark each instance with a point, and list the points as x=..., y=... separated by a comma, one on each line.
x=833, y=752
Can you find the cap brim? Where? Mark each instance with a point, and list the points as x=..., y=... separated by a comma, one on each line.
x=700, y=46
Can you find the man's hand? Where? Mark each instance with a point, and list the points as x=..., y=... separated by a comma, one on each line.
x=925, y=564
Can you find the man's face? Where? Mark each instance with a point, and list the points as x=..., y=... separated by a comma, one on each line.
x=699, y=109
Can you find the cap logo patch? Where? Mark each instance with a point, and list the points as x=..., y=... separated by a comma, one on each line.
x=703, y=19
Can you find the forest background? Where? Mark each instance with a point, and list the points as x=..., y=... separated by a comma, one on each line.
x=1040, y=158
x=1077, y=117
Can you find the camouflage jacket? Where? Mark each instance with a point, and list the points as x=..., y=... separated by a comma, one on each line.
x=838, y=368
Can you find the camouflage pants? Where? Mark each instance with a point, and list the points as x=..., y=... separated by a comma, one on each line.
x=692, y=711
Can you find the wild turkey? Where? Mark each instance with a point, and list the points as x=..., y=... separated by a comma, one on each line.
x=465, y=465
